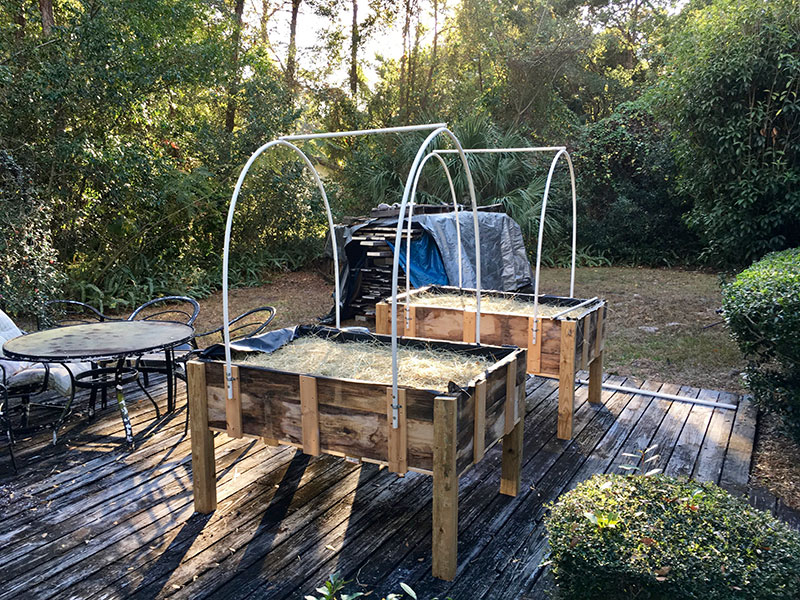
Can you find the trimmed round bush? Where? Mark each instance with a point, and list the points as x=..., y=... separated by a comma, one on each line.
x=663, y=538
x=762, y=309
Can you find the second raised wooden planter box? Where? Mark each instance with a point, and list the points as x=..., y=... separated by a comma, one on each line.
x=562, y=345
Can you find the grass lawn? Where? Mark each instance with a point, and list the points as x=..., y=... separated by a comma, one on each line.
x=662, y=324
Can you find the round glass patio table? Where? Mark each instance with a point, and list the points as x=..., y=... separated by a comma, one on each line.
x=103, y=343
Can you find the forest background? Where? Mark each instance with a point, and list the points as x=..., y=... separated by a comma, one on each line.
x=125, y=123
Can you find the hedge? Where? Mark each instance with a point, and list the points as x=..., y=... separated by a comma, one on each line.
x=663, y=538
x=762, y=309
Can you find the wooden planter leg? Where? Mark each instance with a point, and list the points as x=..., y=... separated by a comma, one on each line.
x=204, y=476
x=566, y=380
x=596, y=379
x=445, y=489
x=511, y=470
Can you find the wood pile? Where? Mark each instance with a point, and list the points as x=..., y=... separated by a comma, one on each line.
x=375, y=277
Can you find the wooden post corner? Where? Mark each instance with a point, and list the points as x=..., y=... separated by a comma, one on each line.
x=511, y=468
x=204, y=476
x=566, y=380
x=445, y=488
x=596, y=379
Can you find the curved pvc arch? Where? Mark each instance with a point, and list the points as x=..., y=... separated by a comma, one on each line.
x=226, y=249
x=454, y=197
x=398, y=240
x=562, y=152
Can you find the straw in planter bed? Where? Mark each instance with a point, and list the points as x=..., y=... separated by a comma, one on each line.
x=490, y=304
x=422, y=368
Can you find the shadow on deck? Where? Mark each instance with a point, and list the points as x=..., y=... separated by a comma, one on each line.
x=90, y=519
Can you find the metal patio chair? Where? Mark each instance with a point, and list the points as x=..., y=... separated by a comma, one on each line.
x=24, y=380
x=181, y=309
x=5, y=424
x=243, y=326
x=61, y=313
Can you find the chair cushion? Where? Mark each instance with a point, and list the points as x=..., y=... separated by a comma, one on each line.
x=8, y=330
x=59, y=380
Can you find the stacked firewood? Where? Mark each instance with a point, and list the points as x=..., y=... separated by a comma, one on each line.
x=375, y=277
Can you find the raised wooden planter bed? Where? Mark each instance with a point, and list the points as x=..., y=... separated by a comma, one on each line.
x=441, y=433
x=562, y=346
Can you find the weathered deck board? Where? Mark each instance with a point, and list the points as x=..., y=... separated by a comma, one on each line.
x=90, y=519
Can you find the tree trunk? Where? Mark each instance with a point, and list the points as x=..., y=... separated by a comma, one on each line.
x=404, y=62
x=230, y=111
x=291, y=59
x=19, y=20
x=265, y=15
x=48, y=21
x=413, y=64
x=354, y=40
x=433, y=50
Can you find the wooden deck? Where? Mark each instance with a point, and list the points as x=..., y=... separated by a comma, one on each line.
x=91, y=519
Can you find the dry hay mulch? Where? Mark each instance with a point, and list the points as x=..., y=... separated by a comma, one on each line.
x=429, y=368
x=776, y=463
x=491, y=304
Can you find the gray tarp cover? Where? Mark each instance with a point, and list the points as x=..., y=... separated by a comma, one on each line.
x=504, y=262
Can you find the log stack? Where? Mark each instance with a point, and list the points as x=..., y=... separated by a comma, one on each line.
x=375, y=277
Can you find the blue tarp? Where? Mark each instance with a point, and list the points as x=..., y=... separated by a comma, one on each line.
x=427, y=267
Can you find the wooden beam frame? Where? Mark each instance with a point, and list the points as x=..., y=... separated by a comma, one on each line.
x=204, y=475
x=596, y=379
x=511, y=468
x=566, y=380
x=445, y=488
x=233, y=407
x=479, y=433
x=309, y=409
x=398, y=438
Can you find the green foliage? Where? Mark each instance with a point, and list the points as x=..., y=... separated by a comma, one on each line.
x=645, y=460
x=119, y=116
x=629, y=207
x=731, y=92
x=30, y=274
x=335, y=584
x=762, y=309
x=615, y=537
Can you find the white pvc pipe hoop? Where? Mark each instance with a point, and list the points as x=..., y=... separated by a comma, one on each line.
x=398, y=240
x=411, y=215
x=285, y=142
x=560, y=151
x=226, y=251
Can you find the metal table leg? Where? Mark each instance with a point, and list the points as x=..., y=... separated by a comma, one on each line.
x=170, y=380
x=123, y=409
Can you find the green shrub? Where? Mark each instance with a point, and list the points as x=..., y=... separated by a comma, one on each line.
x=659, y=537
x=762, y=309
x=628, y=207
x=30, y=274
x=730, y=90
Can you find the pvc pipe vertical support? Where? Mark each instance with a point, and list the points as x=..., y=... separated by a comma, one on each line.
x=563, y=152
x=226, y=249
x=398, y=240
x=411, y=215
